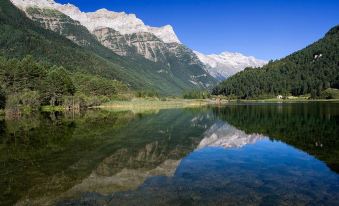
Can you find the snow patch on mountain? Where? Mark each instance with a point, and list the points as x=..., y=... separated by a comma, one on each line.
x=226, y=64
x=119, y=21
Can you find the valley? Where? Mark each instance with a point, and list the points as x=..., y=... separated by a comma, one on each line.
x=169, y=103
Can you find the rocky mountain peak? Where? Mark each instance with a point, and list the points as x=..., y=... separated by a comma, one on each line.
x=119, y=21
x=226, y=64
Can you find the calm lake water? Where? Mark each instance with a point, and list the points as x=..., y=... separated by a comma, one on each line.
x=257, y=154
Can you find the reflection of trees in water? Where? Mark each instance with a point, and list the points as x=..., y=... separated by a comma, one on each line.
x=310, y=127
x=217, y=181
x=52, y=152
x=154, y=146
x=36, y=150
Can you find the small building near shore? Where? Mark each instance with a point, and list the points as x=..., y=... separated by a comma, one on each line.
x=280, y=97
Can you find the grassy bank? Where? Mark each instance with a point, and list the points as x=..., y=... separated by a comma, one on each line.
x=142, y=104
x=138, y=105
x=154, y=104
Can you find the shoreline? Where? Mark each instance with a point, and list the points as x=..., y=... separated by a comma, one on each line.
x=285, y=101
x=137, y=105
x=141, y=104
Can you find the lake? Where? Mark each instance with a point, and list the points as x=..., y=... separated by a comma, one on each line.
x=245, y=154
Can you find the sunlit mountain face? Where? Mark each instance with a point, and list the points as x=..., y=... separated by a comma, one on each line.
x=127, y=35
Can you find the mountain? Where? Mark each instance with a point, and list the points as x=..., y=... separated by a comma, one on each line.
x=19, y=37
x=122, y=22
x=85, y=53
x=128, y=36
x=224, y=65
x=124, y=33
x=310, y=70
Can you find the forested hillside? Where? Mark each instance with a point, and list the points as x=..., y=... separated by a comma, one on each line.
x=308, y=71
x=20, y=36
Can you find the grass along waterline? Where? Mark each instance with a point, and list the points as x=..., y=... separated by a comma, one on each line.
x=142, y=104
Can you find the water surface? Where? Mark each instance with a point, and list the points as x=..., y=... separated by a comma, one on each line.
x=257, y=154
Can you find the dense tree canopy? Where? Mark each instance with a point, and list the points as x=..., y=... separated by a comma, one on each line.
x=57, y=84
x=2, y=99
x=30, y=83
x=310, y=70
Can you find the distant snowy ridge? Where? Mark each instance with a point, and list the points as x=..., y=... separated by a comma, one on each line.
x=226, y=64
x=119, y=21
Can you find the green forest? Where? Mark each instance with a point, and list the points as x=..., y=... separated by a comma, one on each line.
x=27, y=85
x=308, y=71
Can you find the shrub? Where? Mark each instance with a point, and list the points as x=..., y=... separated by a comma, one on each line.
x=22, y=102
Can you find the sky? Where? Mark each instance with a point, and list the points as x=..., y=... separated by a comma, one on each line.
x=266, y=29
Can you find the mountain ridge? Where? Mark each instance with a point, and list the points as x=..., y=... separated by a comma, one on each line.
x=136, y=71
x=129, y=35
x=120, y=21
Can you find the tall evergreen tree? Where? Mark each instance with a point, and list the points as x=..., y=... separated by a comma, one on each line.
x=57, y=84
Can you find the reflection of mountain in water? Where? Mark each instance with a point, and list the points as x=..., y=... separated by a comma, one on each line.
x=148, y=156
x=114, y=174
x=267, y=173
x=126, y=170
x=227, y=136
x=122, y=171
x=112, y=156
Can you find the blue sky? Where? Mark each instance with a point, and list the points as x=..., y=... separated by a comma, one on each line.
x=266, y=29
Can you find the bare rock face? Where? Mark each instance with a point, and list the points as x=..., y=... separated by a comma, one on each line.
x=60, y=23
x=124, y=34
x=142, y=43
x=120, y=21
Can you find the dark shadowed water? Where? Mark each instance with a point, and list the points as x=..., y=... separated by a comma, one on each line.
x=257, y=154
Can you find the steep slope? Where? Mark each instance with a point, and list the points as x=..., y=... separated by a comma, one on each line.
x=20, y=36
x=147, y=55
x=142, y=43
x=222, y=66
x=122, y=22
x=309, y=70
